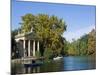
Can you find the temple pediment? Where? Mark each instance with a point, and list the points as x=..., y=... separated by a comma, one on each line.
x=26, y=36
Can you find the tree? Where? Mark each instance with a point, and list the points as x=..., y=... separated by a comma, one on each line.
x=27, y=23
x=92, y=43
x=48, y=29
x=73, y=48
x=14, y=49
x=85, y=45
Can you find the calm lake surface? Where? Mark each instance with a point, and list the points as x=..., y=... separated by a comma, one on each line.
x=70, y=63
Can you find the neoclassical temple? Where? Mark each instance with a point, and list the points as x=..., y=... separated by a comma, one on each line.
x=27, y=44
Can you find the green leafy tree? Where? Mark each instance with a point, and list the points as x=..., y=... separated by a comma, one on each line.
x=49, y=30
x=92, y=43
x=83, y=44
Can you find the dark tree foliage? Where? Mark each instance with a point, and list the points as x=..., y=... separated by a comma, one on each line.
x=14, y=49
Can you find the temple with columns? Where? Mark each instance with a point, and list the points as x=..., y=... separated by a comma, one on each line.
x=27, y=43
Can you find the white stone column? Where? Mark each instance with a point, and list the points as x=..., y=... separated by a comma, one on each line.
x=34, y=48
x=29, y=69
x=38, y=46
x=24, y=47
x=29, y=48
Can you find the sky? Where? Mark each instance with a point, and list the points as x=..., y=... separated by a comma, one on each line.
x=80, y=19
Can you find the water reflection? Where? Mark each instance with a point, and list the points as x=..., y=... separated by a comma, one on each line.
x=32, y=70
x=78, y=63
x=65, y=64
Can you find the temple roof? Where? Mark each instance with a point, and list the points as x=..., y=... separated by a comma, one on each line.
x=28, y=35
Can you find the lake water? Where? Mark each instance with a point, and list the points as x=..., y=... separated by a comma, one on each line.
x=70, y=63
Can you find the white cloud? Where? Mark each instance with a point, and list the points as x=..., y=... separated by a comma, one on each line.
x=78, y=33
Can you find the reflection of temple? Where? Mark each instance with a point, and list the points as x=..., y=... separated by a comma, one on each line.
x=27, y=44
x=31, y=69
